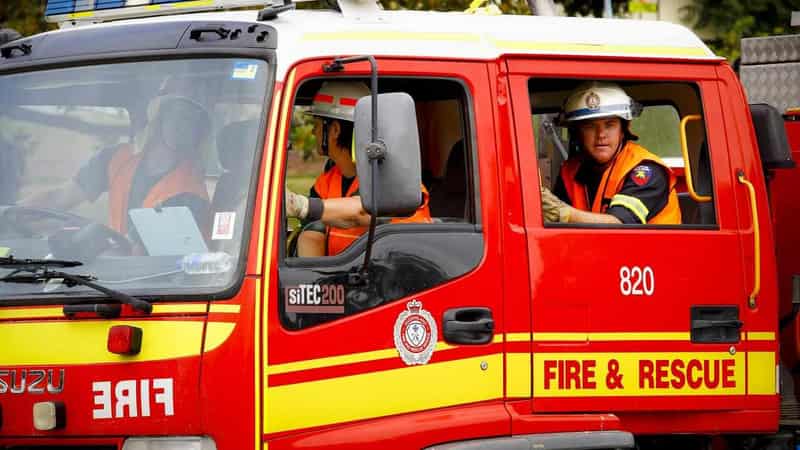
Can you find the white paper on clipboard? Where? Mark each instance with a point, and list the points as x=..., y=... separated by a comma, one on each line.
x=168, y=231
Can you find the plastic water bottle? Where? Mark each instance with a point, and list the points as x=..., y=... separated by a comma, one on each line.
x=207, y=263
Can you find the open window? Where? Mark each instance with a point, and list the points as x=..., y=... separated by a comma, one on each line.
x=408, y=256
x=670, y=126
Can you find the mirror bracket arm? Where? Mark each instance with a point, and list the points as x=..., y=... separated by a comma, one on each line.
x=376, y=151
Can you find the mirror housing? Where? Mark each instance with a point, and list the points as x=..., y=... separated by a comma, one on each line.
x=399, y=175
x=773, y=144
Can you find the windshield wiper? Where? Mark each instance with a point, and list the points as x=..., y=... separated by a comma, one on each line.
x=38, y=271
x=9, y=262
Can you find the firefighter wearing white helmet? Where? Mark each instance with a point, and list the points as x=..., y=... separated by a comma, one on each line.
x=332, y=211
x=611, y=179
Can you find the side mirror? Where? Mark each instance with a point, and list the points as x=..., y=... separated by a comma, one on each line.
x=398, y=177
x=773, y=145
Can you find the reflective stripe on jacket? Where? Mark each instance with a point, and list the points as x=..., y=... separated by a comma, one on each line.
x=329, y=185
x=186, y=178
x=628, y=158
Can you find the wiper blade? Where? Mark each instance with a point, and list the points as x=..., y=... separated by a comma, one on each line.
x=9, y=262
x=41, y=275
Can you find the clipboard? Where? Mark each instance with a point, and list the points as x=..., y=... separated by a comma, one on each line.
x=168, y=231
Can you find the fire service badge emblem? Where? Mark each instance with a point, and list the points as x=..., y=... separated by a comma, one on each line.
x=415, y=334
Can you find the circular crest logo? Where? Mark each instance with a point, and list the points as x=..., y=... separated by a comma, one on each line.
x=415, y=334
x=593, y=101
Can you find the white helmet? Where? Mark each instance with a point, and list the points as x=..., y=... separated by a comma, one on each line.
x=595, y=100
x=337, y=99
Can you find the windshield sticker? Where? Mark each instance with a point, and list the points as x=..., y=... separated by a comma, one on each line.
x=223, y=226
x=415, y=334
x=315, y=298
x=244, y=71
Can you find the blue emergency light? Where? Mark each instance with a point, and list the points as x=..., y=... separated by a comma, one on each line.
x=101, y=10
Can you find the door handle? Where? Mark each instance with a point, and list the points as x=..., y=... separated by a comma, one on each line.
x=715, y=324
x=471, y=326
x=736, y=324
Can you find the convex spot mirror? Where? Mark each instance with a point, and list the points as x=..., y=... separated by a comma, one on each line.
x=398, y=177
x=773, y=144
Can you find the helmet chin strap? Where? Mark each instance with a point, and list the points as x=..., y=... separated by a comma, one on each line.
x=324, y=146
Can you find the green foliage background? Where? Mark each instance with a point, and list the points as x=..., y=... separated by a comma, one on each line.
x=731, y=20
x=25, y=16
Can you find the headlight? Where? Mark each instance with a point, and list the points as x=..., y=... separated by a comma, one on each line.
x=170, y=443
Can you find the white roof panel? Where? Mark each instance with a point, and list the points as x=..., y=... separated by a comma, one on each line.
x=315, y=33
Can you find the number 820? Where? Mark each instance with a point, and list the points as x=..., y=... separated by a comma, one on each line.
x=636, y=280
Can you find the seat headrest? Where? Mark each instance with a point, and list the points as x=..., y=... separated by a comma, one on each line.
x=235, y=141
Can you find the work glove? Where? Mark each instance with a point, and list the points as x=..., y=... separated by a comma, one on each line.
x=296, y=205
x=553, y=208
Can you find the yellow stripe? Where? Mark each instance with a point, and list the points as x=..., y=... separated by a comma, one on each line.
x=633, y=204
x=30, y=313
x=177, y=308
x=518, y=375
x=351, y=358
x=597, y=374
x=273, y=118
x=332, y=361
x=761, y=377
x=233, y=309
x=375, y=355
x=81, y=15
x=276, y=192
x=37, y=313
x=580, y=337
x=568, y=337
x=390, y=36
x=383, y=393
x=258, y=379
x=216, y=334
x=518, y=337
x=598, y=49
x=84, y=342
x=193, y=4
x=152, y=7
x=760, y=336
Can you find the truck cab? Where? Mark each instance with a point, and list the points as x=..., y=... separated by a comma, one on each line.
x=152, y=294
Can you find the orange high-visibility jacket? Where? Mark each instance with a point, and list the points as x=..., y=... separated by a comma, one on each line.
x=184, y=178
x=628, y=158
x=329, y=185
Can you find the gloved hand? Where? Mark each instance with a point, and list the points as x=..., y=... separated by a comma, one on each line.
x=553, y=208
x=296, y=205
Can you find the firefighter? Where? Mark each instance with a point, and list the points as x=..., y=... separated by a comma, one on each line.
x=611, y=179
x=332, y=213
x=164, y=173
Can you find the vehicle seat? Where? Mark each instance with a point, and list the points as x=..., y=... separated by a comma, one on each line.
x=449, y=197
x=234, y=143
x=704, y=186
x=694, y=212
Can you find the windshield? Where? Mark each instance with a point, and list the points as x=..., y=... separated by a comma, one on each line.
x=141, y=171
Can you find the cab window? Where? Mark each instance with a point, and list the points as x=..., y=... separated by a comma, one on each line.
x=648, y=188
x=437, y=243
x=139, y=171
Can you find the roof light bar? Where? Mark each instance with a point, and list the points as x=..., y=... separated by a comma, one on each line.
x=92, y=11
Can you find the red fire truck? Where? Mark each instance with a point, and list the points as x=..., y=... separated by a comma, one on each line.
x=152, y=295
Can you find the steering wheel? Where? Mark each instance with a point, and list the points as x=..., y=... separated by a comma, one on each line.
x=69, y=235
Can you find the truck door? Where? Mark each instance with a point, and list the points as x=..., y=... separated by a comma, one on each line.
x=425, y=331
x=642, y=317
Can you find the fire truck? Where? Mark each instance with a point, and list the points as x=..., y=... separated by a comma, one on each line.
x=152, y=295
